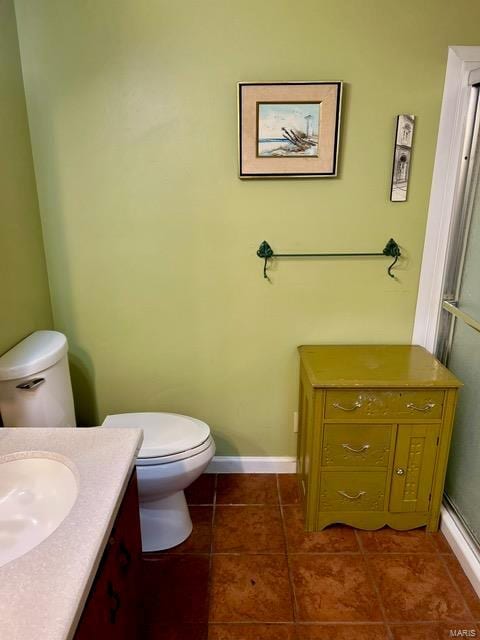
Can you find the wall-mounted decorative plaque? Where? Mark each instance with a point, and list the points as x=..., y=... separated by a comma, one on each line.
x=401, y=157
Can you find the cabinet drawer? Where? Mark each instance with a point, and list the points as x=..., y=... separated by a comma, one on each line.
x=352, y=491
x=354, y=445
x=354, y=404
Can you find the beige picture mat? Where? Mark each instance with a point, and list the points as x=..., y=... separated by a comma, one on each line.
x=325, y=94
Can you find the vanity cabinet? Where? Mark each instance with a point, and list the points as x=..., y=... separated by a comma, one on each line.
x=375, y=425
x=112, y=608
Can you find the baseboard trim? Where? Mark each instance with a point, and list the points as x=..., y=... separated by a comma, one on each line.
x=462, y=544
x=252, y=464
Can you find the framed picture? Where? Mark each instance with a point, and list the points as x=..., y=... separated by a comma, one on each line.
x=288, y=130
x=401, y=157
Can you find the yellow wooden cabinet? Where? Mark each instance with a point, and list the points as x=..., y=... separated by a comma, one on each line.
x=375, y=426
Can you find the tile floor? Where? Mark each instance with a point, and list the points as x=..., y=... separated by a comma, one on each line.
x=250, y=572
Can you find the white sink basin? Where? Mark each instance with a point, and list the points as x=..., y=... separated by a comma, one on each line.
x=36, y=495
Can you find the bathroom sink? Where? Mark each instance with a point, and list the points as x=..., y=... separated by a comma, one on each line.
x=36, y=494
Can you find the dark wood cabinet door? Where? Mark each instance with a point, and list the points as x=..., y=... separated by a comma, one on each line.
x=112, y=607
x=127, y=554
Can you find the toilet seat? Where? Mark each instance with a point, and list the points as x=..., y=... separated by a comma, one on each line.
x=167, y=437
x=147, y=462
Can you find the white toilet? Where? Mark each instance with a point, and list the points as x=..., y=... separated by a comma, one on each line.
x=175, y=451
x=35, y=391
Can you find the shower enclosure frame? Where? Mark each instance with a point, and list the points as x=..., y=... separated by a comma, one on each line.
x=445, y=217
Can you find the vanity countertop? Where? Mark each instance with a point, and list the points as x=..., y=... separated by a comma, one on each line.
x=42, y=593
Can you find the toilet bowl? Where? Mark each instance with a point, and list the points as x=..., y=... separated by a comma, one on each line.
x=176, y=449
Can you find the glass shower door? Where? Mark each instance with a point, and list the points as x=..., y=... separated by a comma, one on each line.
x=459, y=341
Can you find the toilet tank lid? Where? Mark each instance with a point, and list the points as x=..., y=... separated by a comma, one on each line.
x=37, y=352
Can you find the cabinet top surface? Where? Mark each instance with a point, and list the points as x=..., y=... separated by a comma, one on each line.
x=374, y=366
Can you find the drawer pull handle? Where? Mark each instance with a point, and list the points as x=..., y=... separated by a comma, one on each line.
x=356, y=405
x=115, y=602
x=427, y=407
x=361, y=450
x=346, y=495
x=125, y=557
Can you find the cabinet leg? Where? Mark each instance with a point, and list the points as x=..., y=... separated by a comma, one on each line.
x=433, y=522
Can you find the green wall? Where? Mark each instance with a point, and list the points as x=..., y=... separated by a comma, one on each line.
x=150, y=235
x=24, y=297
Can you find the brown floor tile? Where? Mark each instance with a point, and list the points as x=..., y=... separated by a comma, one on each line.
x=176, y=632
x=289, y=488
x=438, y=631
x=241, y=488
x=333, y=588
x=175, y=589
x=337, y=538
x=252, y=632
x=202, y=490
x=390, y=541
x=248, y=529
x=416, y=587
x=442, y=543
x=249, y=591
x=342, y=632
x=464, y=584
x=250, y=588
x=200, y=539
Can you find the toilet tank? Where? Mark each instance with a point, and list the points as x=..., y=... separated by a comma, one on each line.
x=35, y=387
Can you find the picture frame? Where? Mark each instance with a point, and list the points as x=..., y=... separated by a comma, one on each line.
x=288, y=129
x=402, y=156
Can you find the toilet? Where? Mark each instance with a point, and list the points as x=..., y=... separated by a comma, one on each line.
x=35, y=391
x=176, y=449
